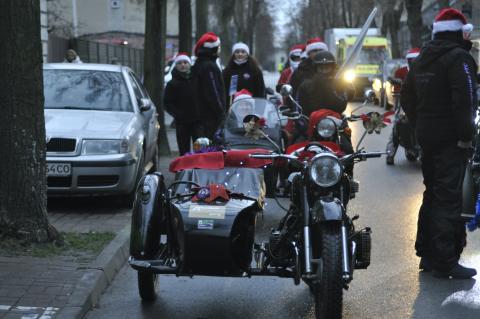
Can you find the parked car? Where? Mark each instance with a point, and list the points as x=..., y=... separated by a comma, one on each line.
x=101, y=129
x=381, y=85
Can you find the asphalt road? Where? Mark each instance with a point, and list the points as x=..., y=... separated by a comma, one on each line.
x=391, y=287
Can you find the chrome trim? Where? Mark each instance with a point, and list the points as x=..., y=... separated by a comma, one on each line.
x=308, y=249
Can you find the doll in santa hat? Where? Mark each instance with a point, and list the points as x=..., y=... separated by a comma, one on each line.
x=242, y=72
x=439, y=99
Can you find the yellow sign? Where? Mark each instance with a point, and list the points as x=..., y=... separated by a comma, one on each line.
x=369, y=69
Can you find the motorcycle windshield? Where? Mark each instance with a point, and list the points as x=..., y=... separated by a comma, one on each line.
x=234, y=127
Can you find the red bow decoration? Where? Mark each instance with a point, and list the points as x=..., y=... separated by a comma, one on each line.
x=211, y=193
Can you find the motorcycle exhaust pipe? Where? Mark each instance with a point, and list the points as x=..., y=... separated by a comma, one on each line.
x=306, y=232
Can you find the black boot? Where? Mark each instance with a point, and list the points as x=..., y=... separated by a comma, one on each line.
x=457, y=272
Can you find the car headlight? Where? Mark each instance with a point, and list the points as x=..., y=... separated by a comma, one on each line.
x=326, y=128
x=104, y=147
x=325, y=170
x=349, y=76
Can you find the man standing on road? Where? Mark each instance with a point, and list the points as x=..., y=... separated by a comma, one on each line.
x=439, y=98
x=208, y=87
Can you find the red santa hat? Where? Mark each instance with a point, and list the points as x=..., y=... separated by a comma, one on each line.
x=450, y=19
x=412, y=53
x=297, y=49
x=182, y=56
x=315, y=44
x=240, y=46
x=208, y=40
x=242, y=94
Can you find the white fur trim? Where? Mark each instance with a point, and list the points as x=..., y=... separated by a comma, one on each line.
x=447, y=25
x=242, y=97
x=296, y=51
x=316, y=46
x=183, y=58
x=240, y=46
x=211, y=45
x=468, y=28
x=412, y=55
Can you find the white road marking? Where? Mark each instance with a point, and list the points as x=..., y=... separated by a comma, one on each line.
x=34, y=312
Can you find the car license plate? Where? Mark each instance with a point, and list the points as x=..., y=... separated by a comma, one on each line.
x=59, y=169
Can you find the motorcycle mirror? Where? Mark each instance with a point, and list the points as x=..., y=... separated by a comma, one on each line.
x=269, y=91
x=370, y=95
x=286, y=90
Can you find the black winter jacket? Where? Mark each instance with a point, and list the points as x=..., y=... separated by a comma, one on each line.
x=178, y=98
x=249, y=77
x=321, y=92
x=305, y=71
x=208, y=88
x=439, y=94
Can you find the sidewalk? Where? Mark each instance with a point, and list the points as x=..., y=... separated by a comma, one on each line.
x=68, y=286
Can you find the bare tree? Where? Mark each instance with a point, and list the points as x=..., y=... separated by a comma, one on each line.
x=392, y=12
x=23, y=189
x=414, y=21
x=264, y=36
x=223, y=10
x=154, y=56
x=184, y=26
x=201, y=15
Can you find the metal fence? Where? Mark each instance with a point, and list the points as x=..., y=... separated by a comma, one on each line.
x=96, y=52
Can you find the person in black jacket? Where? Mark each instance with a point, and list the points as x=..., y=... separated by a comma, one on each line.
x=209, y=91
x=179, y=103
x=306, y=69
x=322, y=91
x=242, y=72
x=439, y=98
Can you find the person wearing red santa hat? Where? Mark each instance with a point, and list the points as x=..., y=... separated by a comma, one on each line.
x=294, y=58
x=178, y=101
x=242, y=72
x=306, y=68
x=439, y=99
x=399, y=77
x=208, y=87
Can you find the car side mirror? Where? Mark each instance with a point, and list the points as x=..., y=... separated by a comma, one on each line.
x=286, y=90
x=144, y=105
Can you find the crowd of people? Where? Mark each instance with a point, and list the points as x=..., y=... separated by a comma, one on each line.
x=438, y=96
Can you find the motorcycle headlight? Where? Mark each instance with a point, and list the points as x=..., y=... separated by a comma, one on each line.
x=326, y=128
x=325, y=170
x=349, y=76
x=104, y=147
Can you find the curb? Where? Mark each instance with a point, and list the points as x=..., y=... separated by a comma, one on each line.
x=101, y=272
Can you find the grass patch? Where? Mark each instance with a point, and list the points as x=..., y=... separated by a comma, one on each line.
x=81, y=245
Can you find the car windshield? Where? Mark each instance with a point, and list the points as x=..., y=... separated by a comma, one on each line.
x=86, y=90
x=372, y=55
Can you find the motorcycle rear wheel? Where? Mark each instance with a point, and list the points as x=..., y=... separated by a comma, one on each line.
x=147, y=285
x=328, y=293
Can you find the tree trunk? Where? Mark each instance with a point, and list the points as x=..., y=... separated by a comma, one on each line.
x=23, y=188
x=185, y=26
x=154, y=56
x=415, y=22
x=201, y=15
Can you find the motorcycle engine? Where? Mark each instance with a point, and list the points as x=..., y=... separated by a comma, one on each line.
x=363, y=241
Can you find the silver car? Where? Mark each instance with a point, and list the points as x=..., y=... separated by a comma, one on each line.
x=101, y=129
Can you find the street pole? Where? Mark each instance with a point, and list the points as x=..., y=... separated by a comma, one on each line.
x=75, y=18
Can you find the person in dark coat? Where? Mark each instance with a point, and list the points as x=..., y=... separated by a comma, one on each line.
x=242, y=72
x=439, y=99
x=179, y=103
x=306, y=69
x=209, y=90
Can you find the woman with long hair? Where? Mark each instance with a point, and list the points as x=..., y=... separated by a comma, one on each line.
x=243, y=72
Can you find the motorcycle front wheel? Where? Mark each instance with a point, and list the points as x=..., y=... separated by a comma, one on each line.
x=328, y=294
